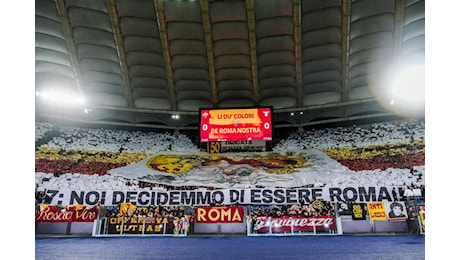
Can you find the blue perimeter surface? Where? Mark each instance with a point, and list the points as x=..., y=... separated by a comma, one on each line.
x=292, y=247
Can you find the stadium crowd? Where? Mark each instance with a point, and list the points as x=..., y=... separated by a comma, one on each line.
x=315, y=209
x=355, y=136
x=114, y=140
x=122, y=147
x=41, y=128
x=149, y=211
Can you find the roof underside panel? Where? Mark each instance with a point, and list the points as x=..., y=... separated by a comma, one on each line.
x=144, y=54
x=232, y=60
x=275, y=37
x=135, y=59
x=187, y=42
x=321, y=54
x=101, y=74
x=53, y=68
x=372, y=26
x=413, y=40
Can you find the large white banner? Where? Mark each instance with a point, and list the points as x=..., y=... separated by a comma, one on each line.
x=267, y=196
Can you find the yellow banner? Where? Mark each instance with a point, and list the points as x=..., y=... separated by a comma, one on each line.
x=228, y=117
x=376, y=211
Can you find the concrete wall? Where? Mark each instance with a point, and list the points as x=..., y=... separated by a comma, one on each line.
x=349, y=226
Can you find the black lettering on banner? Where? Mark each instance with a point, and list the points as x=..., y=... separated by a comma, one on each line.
x=401, y=192
x=140, y=200
x=51, y=195
x=290, y=196
x=130, y=197
x=88, y=198
x=152, y=198
x=354, y=192
x=279, y=196
x=395, y=194
x=335, y=194
x=218, y=194
x=75, y=197
x=254, y=196
x=118, y=197
x=103, y=198
x=316, y=194
x=304, y=193
x=162, y=198
x=234, y=194
x=206, y=200
x=384, y=194
x=267, y=196
x=187, y=200
x=174, y=198
x=367, y=195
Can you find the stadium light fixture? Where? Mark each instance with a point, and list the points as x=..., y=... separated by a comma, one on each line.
x=409, y=84
x=61, y=98
x=403, y=88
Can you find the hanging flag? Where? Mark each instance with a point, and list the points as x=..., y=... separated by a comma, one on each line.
x=396, y=210
x=358, y=211
x=127, y=208
x=376, y=211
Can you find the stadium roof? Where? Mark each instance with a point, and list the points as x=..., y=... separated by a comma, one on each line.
x=138, y=62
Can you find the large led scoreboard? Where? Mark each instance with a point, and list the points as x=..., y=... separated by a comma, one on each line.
x=236, y=124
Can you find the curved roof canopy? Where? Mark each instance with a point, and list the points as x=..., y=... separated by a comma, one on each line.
x=137, y=62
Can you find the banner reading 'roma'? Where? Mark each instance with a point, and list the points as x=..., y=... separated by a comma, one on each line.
x=219, y=214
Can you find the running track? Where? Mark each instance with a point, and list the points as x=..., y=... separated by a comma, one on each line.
x=373, y=247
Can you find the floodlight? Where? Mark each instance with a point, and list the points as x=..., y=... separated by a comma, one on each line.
x=61, y=98
x=409, y=84
x=402, y=89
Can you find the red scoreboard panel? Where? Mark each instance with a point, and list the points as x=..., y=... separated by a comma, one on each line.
x=236, y=124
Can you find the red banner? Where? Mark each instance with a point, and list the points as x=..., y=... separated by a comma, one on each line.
x=79, y=213
x=306, y=224
x=219, y=214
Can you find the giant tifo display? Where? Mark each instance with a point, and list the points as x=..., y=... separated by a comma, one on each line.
x=318, y=182
x=236, y=124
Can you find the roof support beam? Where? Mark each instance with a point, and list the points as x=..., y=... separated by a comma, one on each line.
x=160, y=13
x=346, y=10
x=209, y=49
x=252, y=47
x=105, y=123
x=297, y=16
x=279, y=110
x=336, y=120
x=114, y=21
x=67, y=30
x=399, y=25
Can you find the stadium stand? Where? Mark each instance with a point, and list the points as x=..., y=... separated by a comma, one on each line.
x=81, y=157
